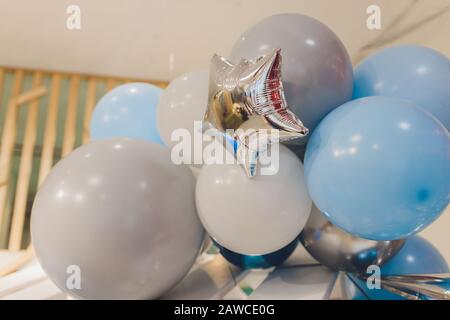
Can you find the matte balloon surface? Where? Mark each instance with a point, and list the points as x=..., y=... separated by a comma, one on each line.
x=128, y=111
x=413, y=72
x=379, y=168
x=317, y=72
x=253, y=216
x=122, y=213
x=182, y=102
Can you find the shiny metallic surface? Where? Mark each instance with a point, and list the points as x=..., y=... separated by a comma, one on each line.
x=339, y=250
x=248, y=98
x=418, y=287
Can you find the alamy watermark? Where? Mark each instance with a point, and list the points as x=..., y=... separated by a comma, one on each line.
x=73, y=281
x=73, y=21
x=373, y=281
x=373, y=21
x=213, y=147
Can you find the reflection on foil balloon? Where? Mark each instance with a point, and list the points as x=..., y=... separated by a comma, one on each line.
x=258, y=261
x=417, y=271
x=246, y=102
x=418, y=286
x=339, y=250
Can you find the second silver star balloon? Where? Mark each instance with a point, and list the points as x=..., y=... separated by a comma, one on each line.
x=246, y=103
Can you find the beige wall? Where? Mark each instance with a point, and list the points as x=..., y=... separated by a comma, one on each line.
x=135, y=38
x=439, y=234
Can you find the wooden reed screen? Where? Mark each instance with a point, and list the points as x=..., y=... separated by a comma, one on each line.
x=43, y=117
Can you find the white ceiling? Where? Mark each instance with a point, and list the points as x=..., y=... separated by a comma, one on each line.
x=140, y=38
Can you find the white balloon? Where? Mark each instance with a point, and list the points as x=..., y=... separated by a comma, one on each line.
x=182, y=102
x=121, y=216
x=253, y=216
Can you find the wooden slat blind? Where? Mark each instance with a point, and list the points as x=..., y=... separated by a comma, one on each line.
x=70, y=123
x=50, y=128
x=26, y=162
x=7, y=142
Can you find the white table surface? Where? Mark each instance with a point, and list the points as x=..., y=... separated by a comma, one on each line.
x=212, y=277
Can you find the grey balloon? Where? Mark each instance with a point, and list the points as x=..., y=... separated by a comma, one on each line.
x=342, y=251
x=316, y=70
x=121, y=216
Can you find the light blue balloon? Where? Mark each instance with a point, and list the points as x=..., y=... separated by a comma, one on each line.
x=128, y=111
x=379, y=168
x=417, y=73
x=417, y=256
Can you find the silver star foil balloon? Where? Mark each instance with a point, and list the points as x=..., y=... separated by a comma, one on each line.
x=246, y=103
x=339, y=250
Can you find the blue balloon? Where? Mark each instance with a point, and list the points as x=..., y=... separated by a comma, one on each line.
x=417, y=73
x=257, y=262
x=417, y=256
x=379, y=168
x=129, y=111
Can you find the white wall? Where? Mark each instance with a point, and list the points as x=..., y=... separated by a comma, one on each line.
x=135, y=38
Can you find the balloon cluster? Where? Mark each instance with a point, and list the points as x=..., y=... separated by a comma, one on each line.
x=376, y=167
